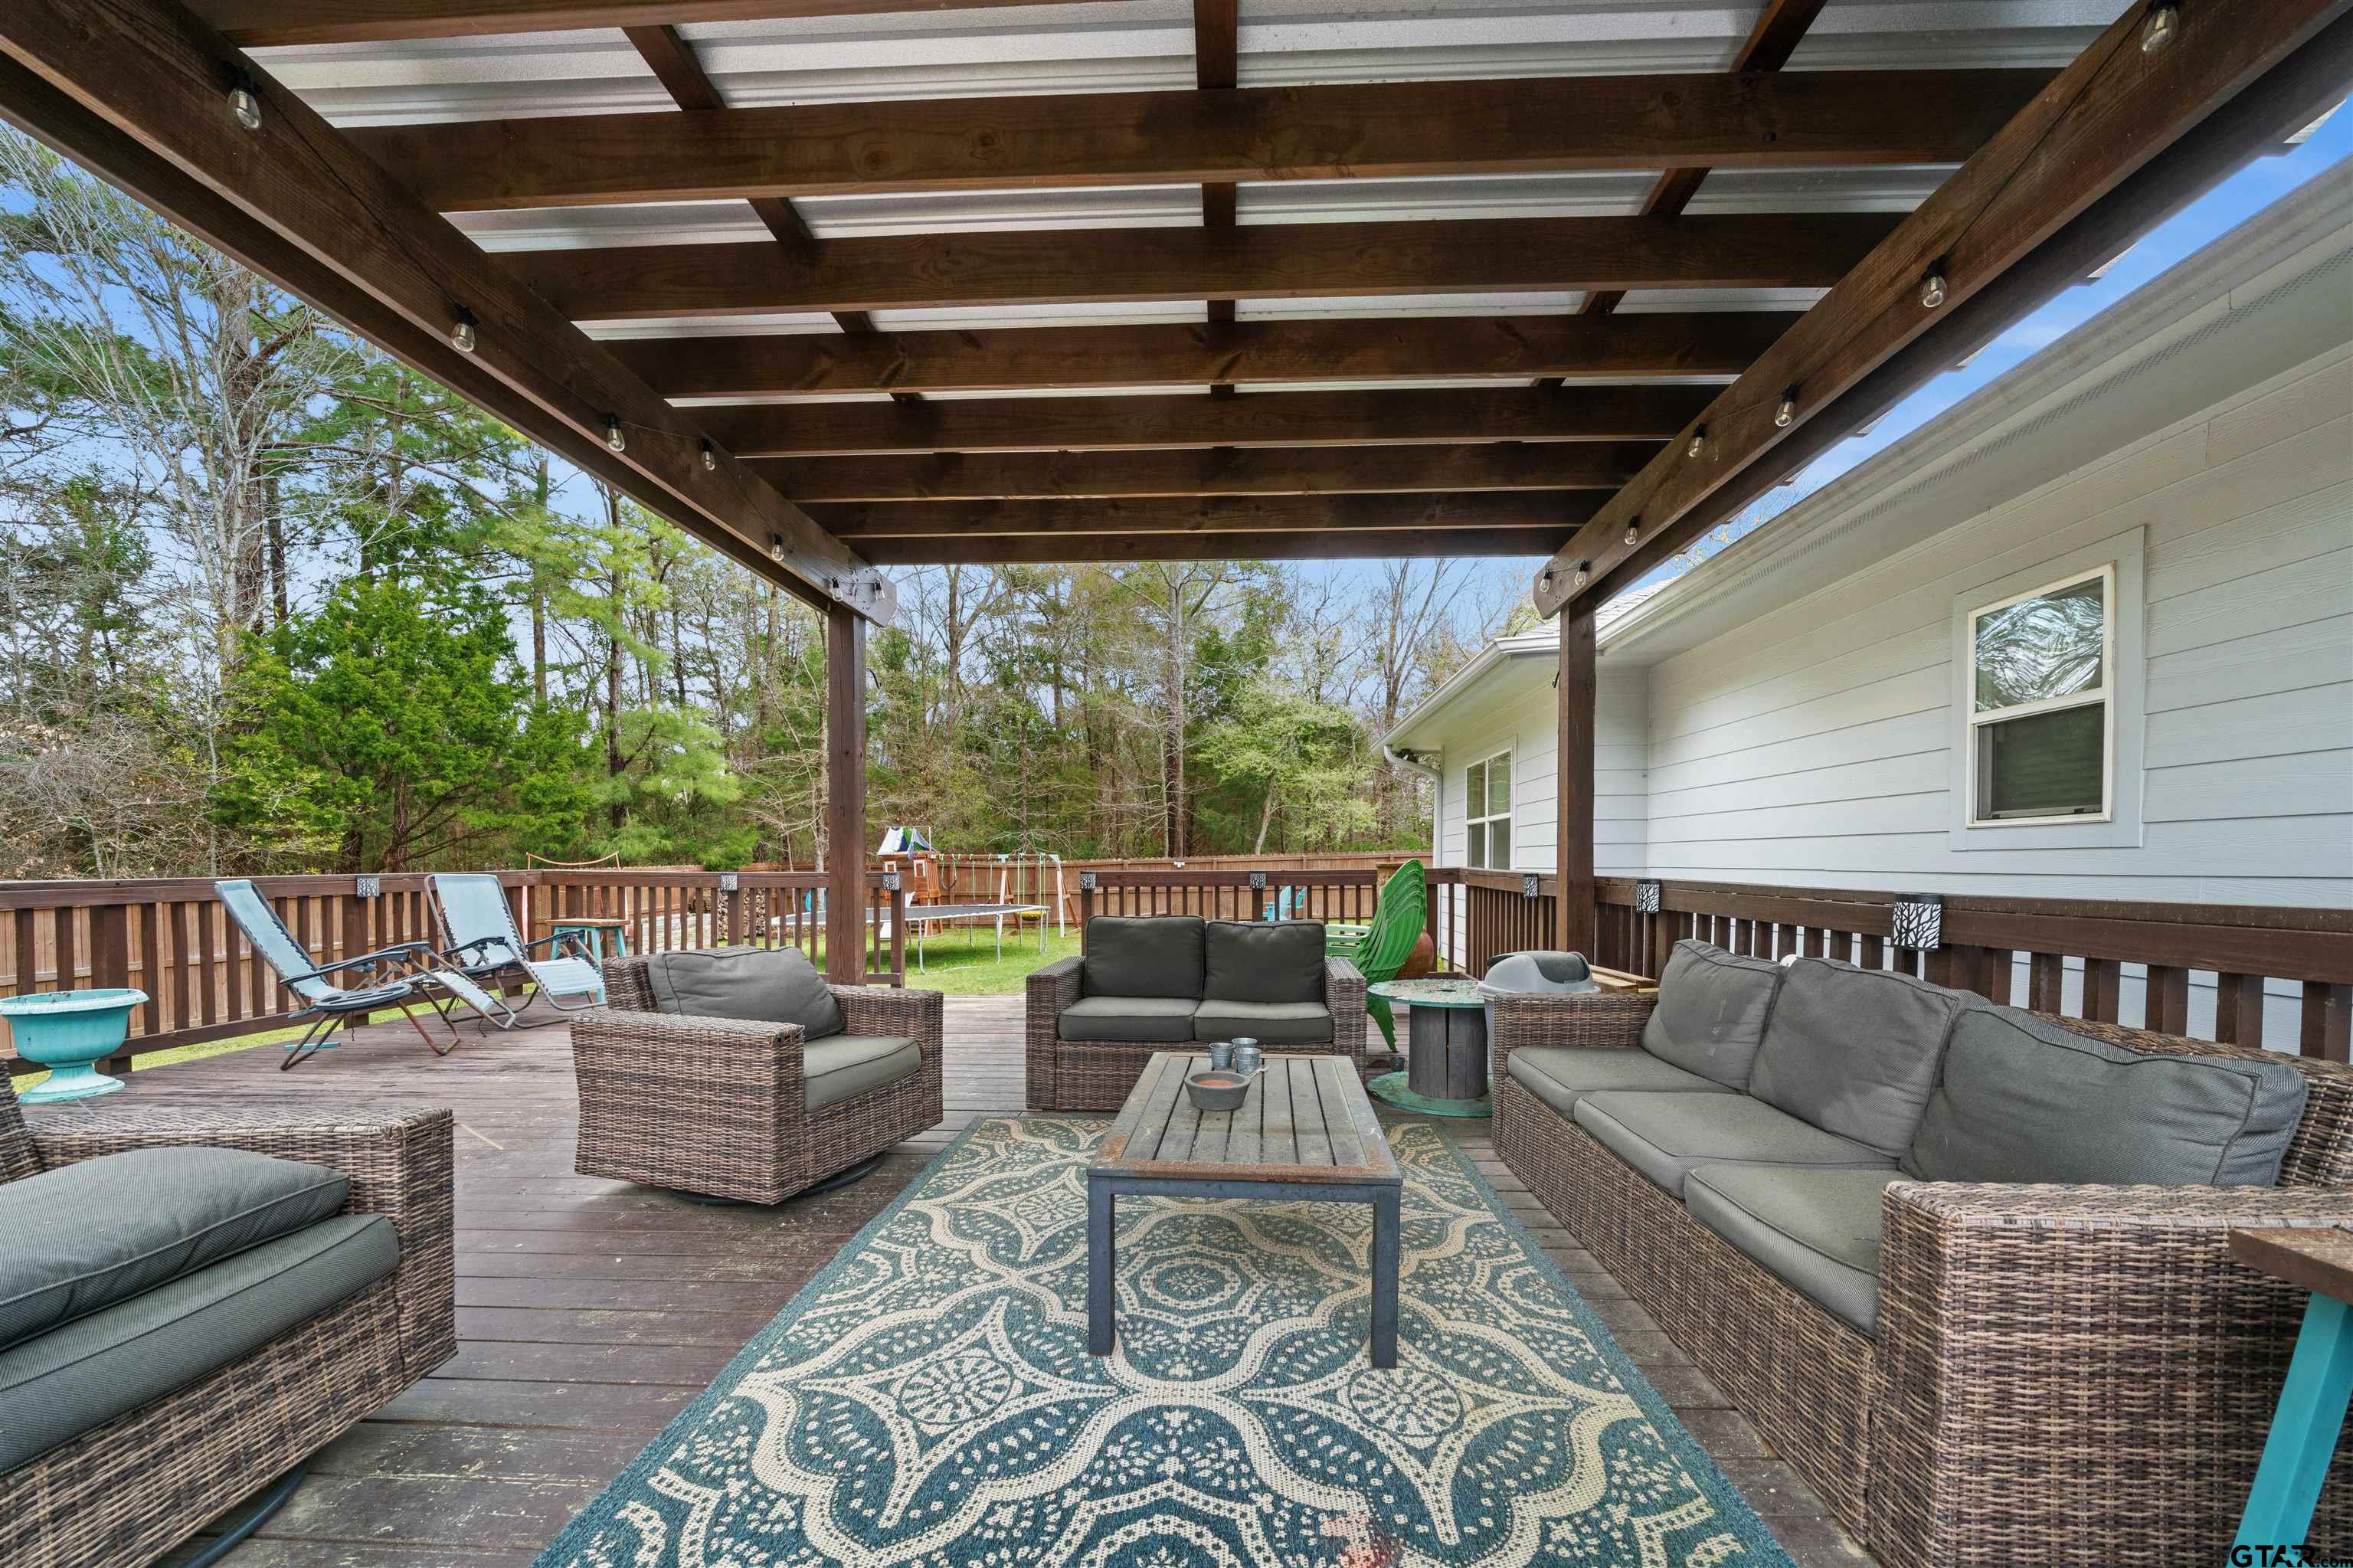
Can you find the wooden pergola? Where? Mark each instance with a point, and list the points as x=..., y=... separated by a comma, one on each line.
x=1594, y=383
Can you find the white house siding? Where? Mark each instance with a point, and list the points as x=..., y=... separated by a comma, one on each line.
x=1812, y=746
x=1527, y=725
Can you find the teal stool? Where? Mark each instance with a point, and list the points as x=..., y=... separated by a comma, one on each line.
x=594, y=932
x=2312, y=1401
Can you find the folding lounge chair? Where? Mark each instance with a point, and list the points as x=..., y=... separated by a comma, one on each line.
x=389, y=976
x=483, y=945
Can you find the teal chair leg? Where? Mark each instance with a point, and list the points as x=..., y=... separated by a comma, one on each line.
x=2304, y=1429
x=1378, y=1006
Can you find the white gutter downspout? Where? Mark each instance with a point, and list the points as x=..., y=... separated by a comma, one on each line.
x=1437, y=795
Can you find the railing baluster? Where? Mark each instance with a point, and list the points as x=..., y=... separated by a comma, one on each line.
x=2239, y=1008
x=2103, y=988
x=2167, y=1005
x=2327, y=1024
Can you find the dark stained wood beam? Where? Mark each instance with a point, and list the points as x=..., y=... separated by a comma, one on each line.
x=1261, y=419
x=1217, y=135
x=1773, y=250
x=673, y=62
x=845, y=798
x=133, y=89
x=1768, y=48
x=254, y=23
x=1216, y=66
x=1215, y=470
x=2102, y=121
x=1610, y=348
x=1341, y=544
x=2290, y=97
x=1554, y=511
x=1576, y=691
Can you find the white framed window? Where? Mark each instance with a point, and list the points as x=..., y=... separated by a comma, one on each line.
x=2041, y=710
x=1487, y=812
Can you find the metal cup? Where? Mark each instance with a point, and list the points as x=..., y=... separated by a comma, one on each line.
x=1221, y=1056
x=1248, y=1057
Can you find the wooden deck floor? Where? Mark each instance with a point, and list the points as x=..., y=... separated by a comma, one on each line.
x=590, y=1312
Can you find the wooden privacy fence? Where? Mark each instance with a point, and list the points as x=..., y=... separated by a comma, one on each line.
x=170, y=938
x=2278, y=976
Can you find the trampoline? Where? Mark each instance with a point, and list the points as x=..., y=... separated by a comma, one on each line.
x=922, y=917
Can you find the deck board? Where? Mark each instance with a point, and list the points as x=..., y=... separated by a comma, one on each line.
x=590, y=1313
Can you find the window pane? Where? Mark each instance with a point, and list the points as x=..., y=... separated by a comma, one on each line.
x=1499, y=787
x=1474, y=853
x=2045, y=765
x=1499, y=843
x=2048, y=646
x=1474, y=790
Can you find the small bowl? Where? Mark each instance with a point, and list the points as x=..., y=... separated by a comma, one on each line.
x=1217, y=1090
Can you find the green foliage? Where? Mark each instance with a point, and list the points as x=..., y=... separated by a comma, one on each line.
x=388, y=731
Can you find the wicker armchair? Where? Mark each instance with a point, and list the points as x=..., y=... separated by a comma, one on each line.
x=126, y=1492
x=2061, y=1374
x=716, y=1105
x=1096, y=1075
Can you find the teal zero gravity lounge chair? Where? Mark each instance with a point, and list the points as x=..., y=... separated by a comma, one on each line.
x=1382, y=948
x=483, y=945
x=390, y=976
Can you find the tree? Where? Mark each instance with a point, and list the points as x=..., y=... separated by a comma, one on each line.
x=390, y=729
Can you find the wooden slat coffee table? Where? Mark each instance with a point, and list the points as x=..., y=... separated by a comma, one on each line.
x=1305, y=1133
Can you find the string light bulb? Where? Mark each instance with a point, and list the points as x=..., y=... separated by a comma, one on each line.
x=1698, y=442
x=1787, y=414
x=1583, y=576
x=1932, y=290
x=2164, y=21
x=461, y=334
x=614, y=439
x=244, y=104
x=710, y=459
x=1633, y=531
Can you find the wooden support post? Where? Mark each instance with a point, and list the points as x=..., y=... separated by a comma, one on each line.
x=1574, y=844
x=845, y=798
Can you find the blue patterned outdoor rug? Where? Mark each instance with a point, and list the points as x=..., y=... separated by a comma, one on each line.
x=928, y=1401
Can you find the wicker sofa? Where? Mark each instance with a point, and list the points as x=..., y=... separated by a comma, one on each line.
x=744, y=1108
x=2046, y=1372
x=211, y=1431
x=1145, y=983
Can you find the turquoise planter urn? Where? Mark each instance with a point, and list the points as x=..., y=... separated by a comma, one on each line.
x=70, y=1031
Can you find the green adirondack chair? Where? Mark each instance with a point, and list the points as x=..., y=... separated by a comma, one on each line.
x=1380, y=950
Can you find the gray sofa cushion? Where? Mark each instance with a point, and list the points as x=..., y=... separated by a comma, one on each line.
x=1815, y=1231
x=1666, y=1135
x=1712, y=1010
x=1855, y=1051
x=758, y=985
x=1268, y=1023
x=843, y=1067
x=57, y=1385
x=89, y=1234
x=1132, y=1020
x=2023, y=1100
x=1560, y=1076
x=1262, y=960
x=1143, y=955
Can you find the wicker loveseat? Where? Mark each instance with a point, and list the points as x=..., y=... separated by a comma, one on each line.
x=344, y=1261
x=1146, y=983
x=742, y=1107
x=1967, y=1371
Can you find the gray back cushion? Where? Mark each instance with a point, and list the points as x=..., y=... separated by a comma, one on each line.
x=1712, y=1010
x=758, y=985
x=2023, y=1100
x=1143, y=955
x=86, y=1236
x=1855, y=1051
x=1264, y=960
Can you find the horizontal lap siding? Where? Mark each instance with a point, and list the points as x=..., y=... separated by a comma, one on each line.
x=1527, y=726
x=1812, y=746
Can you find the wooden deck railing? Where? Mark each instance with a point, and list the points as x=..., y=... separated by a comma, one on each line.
x=170, y=938
x=2209, y=972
